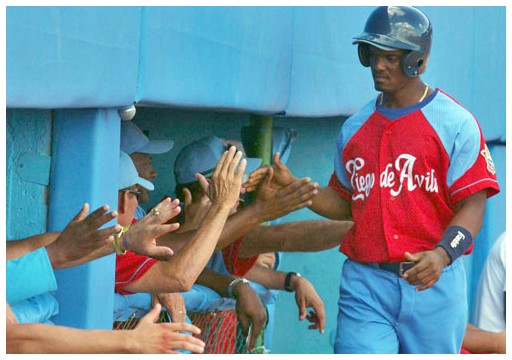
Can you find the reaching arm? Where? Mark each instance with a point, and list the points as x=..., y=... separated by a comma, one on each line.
x=250, y=311
x=269, y=204
x=179, y=273
x=305, y=293
x=19, y=248
x=81, y=241
x=304, y=236
x=147, y=337
x=326, y=201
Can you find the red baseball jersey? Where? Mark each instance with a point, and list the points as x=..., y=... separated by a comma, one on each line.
x=403, y=177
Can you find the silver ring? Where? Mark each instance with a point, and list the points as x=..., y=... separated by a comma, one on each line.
x=180, y=311
x=155, y=211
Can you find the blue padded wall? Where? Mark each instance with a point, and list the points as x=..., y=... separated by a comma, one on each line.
x=71, y=57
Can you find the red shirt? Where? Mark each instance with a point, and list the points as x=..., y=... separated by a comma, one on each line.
x=403, y=177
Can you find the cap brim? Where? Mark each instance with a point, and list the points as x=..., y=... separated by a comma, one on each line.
x=380, y=46
x=156, y=147
x=145, y=184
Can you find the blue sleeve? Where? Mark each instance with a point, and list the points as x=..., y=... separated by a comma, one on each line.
x=28, y=276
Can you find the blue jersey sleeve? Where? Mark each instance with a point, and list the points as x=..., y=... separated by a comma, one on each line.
x=28, y=276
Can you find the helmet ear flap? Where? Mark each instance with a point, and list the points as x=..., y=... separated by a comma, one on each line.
x=412, y=62
x=364, y=54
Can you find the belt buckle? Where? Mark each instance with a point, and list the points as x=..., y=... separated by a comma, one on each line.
x=404, y=266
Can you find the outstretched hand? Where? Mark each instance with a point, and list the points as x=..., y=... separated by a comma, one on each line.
x=273, y=203
x=282, y=175
x=150, y=338
x=141, y=237
x=82, y=241
x=225, y=183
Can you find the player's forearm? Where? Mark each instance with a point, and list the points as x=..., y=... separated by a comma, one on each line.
x=303, y=236
x=39, y=338
x=215, y=281
x=237, y=226
x=269, y=278
x=470, y=212
x=192, y=258
x=18, y=248
x=329, y=204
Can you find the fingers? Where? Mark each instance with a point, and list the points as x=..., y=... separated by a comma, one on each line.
x=100, y=217
x=202, y=182
x=152, y=315
x=159, y=253
x=241, y=170
x=244, y=324
x=102, y=234
x=320, y=312
x=301, y=304
x=255, y=178
x=182, y=326
x=82, y=213
x=277, y=160
x=188, y=197
x=411, y=257
x=224, y=162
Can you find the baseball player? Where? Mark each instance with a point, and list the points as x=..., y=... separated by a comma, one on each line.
x=413, y=171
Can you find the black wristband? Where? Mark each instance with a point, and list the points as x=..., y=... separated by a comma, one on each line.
x=456, y=240
x=288, y=279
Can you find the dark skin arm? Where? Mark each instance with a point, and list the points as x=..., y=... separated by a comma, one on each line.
x=307, y=236
x=249, y=308
x=326, y=202
x=305, y=293
x=469, y=214
x=269, y=204
x=81, y=241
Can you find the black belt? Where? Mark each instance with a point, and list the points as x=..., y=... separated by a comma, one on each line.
x=397, y=268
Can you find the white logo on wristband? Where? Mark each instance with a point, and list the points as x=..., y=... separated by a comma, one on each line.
x=456, y=240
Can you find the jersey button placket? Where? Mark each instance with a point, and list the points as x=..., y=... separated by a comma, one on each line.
x=385, y=153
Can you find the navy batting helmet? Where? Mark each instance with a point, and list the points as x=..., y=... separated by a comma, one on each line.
x=397, y=27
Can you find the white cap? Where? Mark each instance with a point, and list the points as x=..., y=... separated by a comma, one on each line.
x=134, y=140
x=128, y=175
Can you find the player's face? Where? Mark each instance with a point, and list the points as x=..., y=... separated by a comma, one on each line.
x=387, y=73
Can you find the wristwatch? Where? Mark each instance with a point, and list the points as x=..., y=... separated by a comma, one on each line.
x=288, y=279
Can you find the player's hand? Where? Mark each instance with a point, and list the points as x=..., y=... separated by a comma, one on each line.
x=250, y=312
x=428, y=268
x=141, y=238
x=271, y=204
x=306, y=296
x=195, y=211
x=224, y=186
x=82, y=240
x=282, y=176
x=148, y=337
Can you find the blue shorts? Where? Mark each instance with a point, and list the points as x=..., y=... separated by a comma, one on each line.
x=379, y=313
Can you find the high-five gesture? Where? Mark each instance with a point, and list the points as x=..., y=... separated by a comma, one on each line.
x=141, y=237
x=282, y=175
x=225, y=183
x=82, y=240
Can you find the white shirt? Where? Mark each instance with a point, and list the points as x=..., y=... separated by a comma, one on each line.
x=490, y=303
